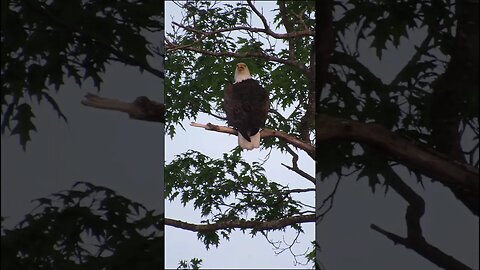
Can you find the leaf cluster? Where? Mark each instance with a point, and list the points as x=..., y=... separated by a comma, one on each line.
x=356, y=92
x=87, y=227
x=46, y=42
x=228, y=188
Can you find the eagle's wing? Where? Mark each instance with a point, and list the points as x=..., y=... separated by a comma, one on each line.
x=246, y=104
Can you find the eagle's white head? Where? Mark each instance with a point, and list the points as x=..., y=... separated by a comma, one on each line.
x=242, y=72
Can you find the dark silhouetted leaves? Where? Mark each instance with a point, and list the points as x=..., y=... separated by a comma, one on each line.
x=74, y=229
x=43, y=42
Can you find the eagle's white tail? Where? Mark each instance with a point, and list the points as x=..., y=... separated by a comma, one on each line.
x=254, y=141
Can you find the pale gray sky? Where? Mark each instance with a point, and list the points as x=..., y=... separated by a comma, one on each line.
x=97, y=146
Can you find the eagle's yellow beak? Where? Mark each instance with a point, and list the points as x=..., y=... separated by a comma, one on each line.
x=241, y=66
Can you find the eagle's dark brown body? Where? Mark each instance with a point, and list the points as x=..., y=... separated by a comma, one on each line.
x=246, y=105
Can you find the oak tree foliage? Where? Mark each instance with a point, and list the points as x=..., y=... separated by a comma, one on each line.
x=423, y=118
x=45, y=44
x=202, y=50
x=86, y=227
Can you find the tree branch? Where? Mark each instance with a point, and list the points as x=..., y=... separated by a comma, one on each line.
x=415, y=239
x=289, y=27
x=265, y=133
x=425, y=249
x=330, y=199
x=295, y=167
x=241, y=224
x=453, y=89
x=267, y=31
x=141, y=109
x=449, y=172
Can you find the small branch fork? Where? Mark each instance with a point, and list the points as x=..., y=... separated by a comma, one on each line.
x=321, y=211
x=265, y=133
x=414, y=239
x=295, y=167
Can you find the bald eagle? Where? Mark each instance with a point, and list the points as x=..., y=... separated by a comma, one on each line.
x=246, y=105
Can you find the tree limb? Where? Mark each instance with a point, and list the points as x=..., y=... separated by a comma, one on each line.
x=425, y=249
x=295, y=167
x=268, y=31
x=141, y=109
x=413, y=155
x=415, y=239
x=265, y=133
x=241, y=224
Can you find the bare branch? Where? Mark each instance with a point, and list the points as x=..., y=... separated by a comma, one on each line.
x=265, y=133
x=295, y=167
x=268, y=31
x=141, y=109
x=415, y=239
x=241, y=224
x=260, y=15
x=330, y=198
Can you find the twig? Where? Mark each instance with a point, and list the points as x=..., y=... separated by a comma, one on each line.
x=330, y=198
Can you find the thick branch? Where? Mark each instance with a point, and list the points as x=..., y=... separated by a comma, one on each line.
x=241, y=224
x=427, y=161
x=141, y=109
x=265, y=133
x=454, y=87
x=324, y=41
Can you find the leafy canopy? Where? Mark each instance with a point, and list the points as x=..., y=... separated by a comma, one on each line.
x=404, y=104
x=196, y=80
x=86, y=227
x=203, y=49
x=46, y=42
